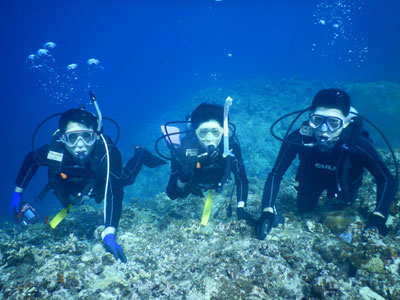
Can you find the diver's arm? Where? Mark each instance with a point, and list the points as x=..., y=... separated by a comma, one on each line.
x=172, y=187
x=238, y=169
x=29, y=167
x=286, y=155
x=386, y=184
x=113, y=201
x=176, y=188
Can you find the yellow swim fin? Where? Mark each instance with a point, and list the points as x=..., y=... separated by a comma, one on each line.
x=207, y=209
x=59, y=217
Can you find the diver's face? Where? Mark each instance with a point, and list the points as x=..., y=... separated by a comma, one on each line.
x=79, y=140
x=209, y=134
x=327, y=123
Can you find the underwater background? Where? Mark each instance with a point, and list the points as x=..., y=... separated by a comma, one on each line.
x=150, y=62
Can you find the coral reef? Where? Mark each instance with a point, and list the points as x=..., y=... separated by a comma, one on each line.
x=171, y=257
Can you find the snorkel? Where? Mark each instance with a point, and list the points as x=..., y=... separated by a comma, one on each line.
x=99, y=121
x=99, y=114
x=227, y=151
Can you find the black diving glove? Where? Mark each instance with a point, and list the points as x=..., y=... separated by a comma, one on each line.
x=244, y=215
x=378, y=222
x=80, y=199
x=183, y=176
x=264, y=225
x=195, y=189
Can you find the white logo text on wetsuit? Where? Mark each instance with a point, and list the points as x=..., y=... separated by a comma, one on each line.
x=325, y=167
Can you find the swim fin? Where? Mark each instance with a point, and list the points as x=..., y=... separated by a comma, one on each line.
x=149, y=159
x=60, y=216
x=142, y=157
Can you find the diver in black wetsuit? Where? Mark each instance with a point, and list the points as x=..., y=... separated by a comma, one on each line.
x=198, y=163
x=333, y=150
x=84, y=164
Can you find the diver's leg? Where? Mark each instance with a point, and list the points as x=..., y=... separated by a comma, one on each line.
x=142, y=157
x=132, y=168
x=149, y=160
x=308, y=194
x=351, y=194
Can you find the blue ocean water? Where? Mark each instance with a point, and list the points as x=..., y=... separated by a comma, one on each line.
x=154, y=54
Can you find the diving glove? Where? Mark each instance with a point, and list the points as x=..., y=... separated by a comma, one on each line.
x=112, y=246
x=183, y=176
x=244, y=215
x=80, y=200
x=15, y=206
x=264, y=224
x=378, y=221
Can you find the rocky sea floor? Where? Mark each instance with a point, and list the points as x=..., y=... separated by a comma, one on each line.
x=323, y=255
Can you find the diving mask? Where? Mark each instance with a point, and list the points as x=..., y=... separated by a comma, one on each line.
x=71, y=138
x=332, y=123
x=209, y=133
x=202, y=133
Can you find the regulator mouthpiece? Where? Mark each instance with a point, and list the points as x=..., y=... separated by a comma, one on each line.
x=212, y=151
x=81, y=156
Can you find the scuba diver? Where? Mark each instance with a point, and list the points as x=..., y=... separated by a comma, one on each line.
x=333, y=149
x=83, y=164
x=205, y=156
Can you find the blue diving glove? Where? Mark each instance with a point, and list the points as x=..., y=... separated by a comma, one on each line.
x=112, y=246
x=244, y=215
x=379, y=222
x=15, y=206
x=264, y=225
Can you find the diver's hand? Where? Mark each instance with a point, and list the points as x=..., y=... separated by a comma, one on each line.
x=183, y=177
x=195, y=189
x=80, y=199
x=264, y=224
x=15, y=206
x=244, y=215
x=181, y=185
x=378, y=221
x=112, y=246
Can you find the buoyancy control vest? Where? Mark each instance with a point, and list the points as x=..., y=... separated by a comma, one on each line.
x=200, y=167
x=63, y=168
x=345, y=145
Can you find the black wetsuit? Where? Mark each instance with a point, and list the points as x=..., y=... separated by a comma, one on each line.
x=192, y=165
x=338, y=171
x=68, y=179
